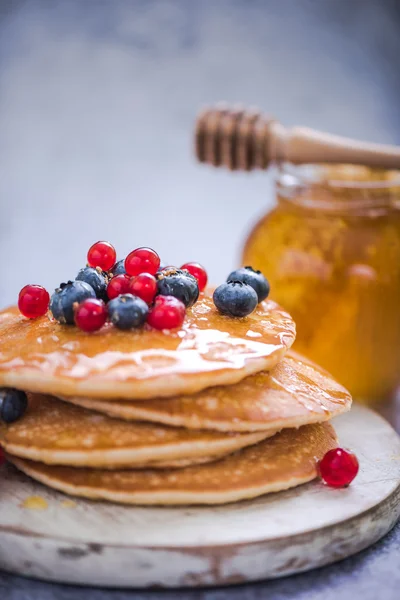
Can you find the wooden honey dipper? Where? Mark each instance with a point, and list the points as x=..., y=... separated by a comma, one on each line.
x=245, y=139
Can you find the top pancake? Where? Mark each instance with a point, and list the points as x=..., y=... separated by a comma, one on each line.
x=210, y=349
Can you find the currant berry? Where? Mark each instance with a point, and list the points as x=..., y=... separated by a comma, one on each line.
x=118, y=285
x=103, y=255
x=144, y=286
x=91, y=315
x=142, y=260
x=33, y=301
x=167, y=313
x=198, y=272
x=338, y=467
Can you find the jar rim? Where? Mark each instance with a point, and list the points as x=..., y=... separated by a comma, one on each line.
x=318, y=174
x=306, y=186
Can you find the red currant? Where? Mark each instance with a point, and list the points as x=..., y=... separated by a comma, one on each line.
x=117, y=286
x=142, y=260
x=338, y=467
x=33, y=301
x=167, y=313
x=103, y=255
x=197, y=271
x=144, y=286
x=91, y=314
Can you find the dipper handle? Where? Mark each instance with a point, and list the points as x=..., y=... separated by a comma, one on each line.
x=243, y=140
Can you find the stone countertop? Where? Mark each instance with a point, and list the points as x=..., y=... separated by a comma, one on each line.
x=96, y=112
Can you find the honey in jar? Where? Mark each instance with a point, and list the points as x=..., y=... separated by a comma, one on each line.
x=331, y=250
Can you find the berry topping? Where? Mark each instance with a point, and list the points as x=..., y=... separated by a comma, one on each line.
x=13, y=404
x=178, y=283
x=91, y=314
x=118, y=285
x=167, y=313
x=235, y=299
x=33, y=301
x=144, y=286
x=66, y=296
x=142, y=260
x=96, y=279
x=103, y=255
x=119, y=268
x=127, y=311
x=198, y=272
x=253, y=278
x=338, y=467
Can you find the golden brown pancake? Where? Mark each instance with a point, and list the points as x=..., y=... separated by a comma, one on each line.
x=178, y=463
x=55, y=432
x=296, y=392
x=284, y=461
x=210, y=349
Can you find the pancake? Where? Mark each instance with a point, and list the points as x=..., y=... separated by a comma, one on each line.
x=284, y=461
x=296, y=392
x=178, y=463
x=55, y=432
x=210, y=349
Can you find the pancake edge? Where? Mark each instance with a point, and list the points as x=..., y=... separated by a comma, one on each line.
x=163, y=498
x=233, y=426
x=114, y=458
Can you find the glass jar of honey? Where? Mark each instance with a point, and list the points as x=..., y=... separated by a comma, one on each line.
x=331, y=251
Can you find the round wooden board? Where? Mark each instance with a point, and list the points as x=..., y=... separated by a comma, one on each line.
x=101, y=544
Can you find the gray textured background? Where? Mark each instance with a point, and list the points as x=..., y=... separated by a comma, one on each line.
x=97, y=103
x=98, y=100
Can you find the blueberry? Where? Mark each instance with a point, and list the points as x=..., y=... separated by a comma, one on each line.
x=235, y=298
x=96, y=279
x=63, y=300
x=127, y=311
x=13, y=404
x=119, y=268
x=253, y=278
x=178, y=283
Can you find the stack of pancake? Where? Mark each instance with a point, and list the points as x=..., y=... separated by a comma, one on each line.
x=215, y=412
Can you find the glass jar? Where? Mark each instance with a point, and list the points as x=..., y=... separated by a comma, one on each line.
x=331, y=250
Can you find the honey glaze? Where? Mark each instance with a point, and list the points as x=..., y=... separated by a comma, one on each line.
x=44, y=356
x=311, y=386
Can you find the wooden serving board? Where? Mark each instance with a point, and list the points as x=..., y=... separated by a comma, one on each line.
x=108, y=545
